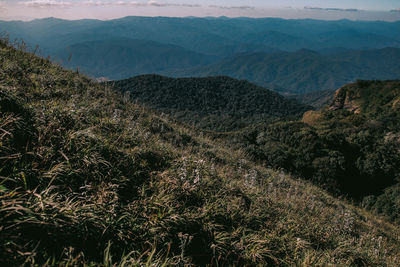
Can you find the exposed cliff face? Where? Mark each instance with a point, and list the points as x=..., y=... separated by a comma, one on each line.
x=346, y=99
x=372, y=98
x=396, y=105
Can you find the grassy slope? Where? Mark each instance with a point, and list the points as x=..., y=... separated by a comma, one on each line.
x=82, y=173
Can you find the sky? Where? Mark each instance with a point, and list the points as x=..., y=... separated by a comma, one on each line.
x=388, y=10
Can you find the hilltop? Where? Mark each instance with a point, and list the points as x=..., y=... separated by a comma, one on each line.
x=216, y=103
x=373, y=99
x=88, y=178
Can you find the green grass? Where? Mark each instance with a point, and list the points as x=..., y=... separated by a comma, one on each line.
x=87, y=178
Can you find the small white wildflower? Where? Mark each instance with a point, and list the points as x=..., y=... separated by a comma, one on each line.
x=117, y=115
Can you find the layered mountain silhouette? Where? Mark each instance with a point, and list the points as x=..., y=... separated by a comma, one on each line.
x=117, y=59
x=305, y=70
x=183, y=46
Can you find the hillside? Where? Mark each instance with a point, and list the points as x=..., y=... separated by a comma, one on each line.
x=89, y=179
x=374, y=99
x=316, y=99
x=121, y=58
x=350, y=147
x=216, y=103
x=304, y=71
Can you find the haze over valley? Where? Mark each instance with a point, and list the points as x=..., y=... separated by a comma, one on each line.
x=290, y=56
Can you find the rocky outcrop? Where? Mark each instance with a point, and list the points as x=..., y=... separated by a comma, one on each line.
x=345, y=98
x=396, y=105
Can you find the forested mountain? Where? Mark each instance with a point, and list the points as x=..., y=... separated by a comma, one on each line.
x=217, y=103
x=117, y=59
x=350, y=148
x=305, y=70
x=186, y=43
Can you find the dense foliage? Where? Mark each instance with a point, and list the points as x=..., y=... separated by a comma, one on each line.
x=87, y=178
x=350, y=148
x=217, y=103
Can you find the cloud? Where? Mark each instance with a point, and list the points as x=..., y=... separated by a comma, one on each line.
x=45, y=3
x=333, y=9
x=395, y=10
x=136, y=4
x=94, y=3
x=232, y=7
x=155, y=3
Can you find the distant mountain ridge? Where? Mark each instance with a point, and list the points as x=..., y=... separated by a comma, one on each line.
x=215, y=103
x=93, y=46
x=120, y=58
x=305, y=70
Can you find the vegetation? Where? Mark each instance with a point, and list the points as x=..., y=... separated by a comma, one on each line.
x=88, y=178
x=216, y=103
x=350, y=148
x=318, y=99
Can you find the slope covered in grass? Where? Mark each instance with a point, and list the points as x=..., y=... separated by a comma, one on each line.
x=90, y=179
x=217, y=103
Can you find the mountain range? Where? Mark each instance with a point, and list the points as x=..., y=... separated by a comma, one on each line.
x=304, y=71
x=118, y=59
x=243, y=48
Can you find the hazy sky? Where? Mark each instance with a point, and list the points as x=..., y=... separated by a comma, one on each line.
x=108, y=9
